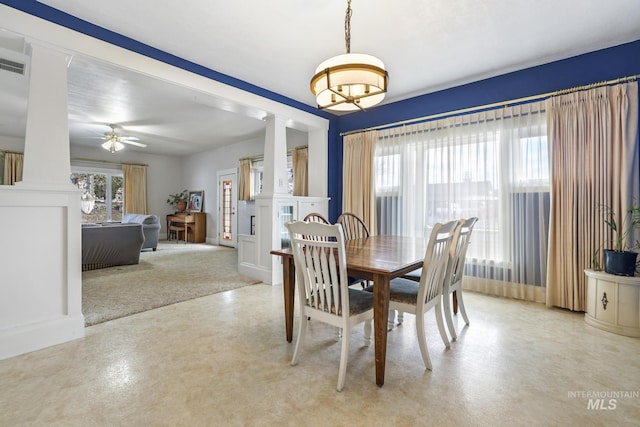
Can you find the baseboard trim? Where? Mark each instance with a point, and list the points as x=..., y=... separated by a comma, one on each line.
x=251, y=270
x=35, y=336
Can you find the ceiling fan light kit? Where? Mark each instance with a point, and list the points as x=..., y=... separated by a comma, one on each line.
x=115, y=142
x=352, y=81
x=112, y=145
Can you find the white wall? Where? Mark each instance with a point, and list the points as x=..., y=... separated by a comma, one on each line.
x=200, y=173
x=11, y=144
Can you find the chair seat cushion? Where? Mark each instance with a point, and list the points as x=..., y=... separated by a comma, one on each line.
x=404, y=291
x=359, y=302
x=413, y=275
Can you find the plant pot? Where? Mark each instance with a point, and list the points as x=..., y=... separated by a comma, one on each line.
x=620, y=263
x=180, y=206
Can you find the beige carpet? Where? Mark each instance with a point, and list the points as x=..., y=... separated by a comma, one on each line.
x=175, y=272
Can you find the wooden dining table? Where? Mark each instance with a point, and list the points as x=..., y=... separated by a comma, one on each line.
x=375, y=258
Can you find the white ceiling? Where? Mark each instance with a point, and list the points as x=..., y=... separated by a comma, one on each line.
x=427, y=45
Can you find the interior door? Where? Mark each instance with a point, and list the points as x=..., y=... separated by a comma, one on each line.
x=227, y=206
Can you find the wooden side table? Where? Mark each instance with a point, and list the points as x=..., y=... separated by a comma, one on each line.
x=613, y=303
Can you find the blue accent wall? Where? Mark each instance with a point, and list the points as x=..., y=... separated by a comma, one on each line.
x=602, y=65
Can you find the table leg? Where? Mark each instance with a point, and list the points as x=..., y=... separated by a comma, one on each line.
x=289, y=284
x=455, y=302
x=380, y=318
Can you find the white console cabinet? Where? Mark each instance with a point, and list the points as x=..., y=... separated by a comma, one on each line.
x=613, y=303
x=254, y=252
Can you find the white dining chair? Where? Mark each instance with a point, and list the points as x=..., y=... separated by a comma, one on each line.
x=316, y=217
x=453, y=278
x=417, y=298
x=354, y=228
x=324, y=294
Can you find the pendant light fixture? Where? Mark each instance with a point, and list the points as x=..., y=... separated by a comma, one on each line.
x=352, y=81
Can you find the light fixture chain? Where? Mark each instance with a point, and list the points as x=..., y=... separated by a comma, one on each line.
x=347, y=28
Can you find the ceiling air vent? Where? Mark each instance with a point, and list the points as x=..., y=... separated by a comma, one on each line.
x=12, y=66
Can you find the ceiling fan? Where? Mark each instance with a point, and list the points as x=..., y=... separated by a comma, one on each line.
x=114, y=142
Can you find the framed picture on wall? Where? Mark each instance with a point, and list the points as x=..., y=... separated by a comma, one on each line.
x=196, y=198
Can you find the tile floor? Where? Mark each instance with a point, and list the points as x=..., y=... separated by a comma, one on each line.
x=222, y=360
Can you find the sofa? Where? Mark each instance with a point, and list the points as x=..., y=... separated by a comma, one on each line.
x=110, y=244
x=150, y=228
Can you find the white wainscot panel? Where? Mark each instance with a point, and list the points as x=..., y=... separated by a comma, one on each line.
x=33, y=288
x=40, y=277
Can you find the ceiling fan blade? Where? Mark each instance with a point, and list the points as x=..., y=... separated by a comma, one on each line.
x=129, y=138
x=137, y=144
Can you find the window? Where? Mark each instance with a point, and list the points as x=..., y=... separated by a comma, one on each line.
x=257, y=174
x=102, y=198
x=492, y=165
x=257, y=171
x=531, y=162
x=387, y=174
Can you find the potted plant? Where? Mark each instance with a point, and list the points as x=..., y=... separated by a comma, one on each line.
x=620, y=258
x=179, y=200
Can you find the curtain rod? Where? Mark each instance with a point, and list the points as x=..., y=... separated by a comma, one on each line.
x=10, y=152
x=497, y=104
x=80, y=159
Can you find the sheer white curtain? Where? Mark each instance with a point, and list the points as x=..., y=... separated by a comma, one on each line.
x=492, y=165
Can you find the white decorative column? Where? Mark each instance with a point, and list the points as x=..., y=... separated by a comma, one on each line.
x=275, y=157
x=41, y=286
x=274, y=188
x=46, y=148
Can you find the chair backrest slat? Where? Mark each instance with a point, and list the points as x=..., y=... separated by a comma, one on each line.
x=436, y=259
x=320, y=262
x=316, y=217
x=458, y=252
x=353, y=226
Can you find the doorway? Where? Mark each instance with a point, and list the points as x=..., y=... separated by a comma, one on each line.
x=227, y=207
